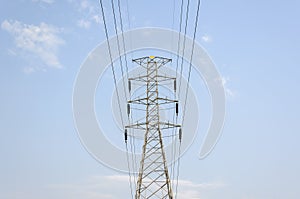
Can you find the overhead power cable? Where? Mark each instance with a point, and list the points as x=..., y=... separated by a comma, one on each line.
x=119, y=48
x=177, y=65
x=181, y=71
x=188, y=81
x=184, y=41
x=191, y=58
x=179, y=36
x=122, y=32
x=132, y=140
x=114, y=77
x=111, y=60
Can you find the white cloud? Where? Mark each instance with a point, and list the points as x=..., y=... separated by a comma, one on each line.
x=228, y=91
x=12, y=52
x=97, y=19
x=117, y=186
x=117, y=178
x=88, y=12
x=29, y=70
x=44, y=1
x=106, y=187
x=85, y=4
x=192, y=185
x=207, y=38
x=192, y=190
x=40, y=43
x=82, y=23
x=110, y=187
x=190, y=194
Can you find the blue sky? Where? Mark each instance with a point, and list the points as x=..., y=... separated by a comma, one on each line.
x=255, y=46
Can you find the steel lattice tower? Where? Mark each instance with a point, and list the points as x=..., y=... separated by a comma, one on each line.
x=153, y=177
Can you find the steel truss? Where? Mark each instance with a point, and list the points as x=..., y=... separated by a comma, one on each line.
x=153, y=178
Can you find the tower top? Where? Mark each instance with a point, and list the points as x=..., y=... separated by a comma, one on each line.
x=143, y=61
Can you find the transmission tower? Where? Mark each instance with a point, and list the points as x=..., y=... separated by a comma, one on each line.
x=153, y=179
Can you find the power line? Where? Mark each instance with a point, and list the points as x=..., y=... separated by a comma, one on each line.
x=177, y=65
x=128, y=164
x=132, y=141
x=114, y=77
x=122, y=33
x=189, y=74
x=181, y=70
x=118, y=43
x=173, y=120
x=191, y=59
x=184, y=41
x=111, y=60
x=178, y=165
x=121, y=62
x=179, y=35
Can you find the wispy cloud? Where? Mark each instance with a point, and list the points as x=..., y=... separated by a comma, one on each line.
x=44, y=1
x=97, y=19
x=192, y=190
x=224, y=81
x=86, y=5
x=106, y=187
x=229, y=92
x=193, y=185
x=207, y=38
x=88, y=12
x=82, y=23
x=39, y=43
x=117, y=186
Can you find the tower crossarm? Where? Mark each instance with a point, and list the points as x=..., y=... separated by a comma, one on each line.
x=157, y=100
x=159, y=61
x=163, y=125
x=158, y=78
